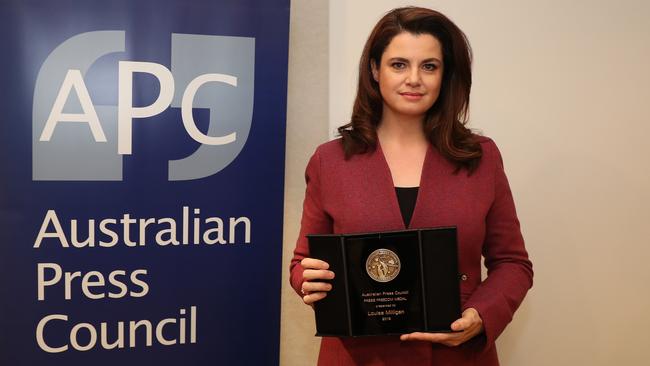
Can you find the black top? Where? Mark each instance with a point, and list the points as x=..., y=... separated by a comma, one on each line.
x=406, y=197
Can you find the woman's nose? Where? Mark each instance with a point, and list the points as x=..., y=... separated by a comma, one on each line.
x=413, y=77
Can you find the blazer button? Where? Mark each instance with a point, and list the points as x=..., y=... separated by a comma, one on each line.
x=463, y=277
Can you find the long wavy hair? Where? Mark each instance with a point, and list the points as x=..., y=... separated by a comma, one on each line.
x=444, y=123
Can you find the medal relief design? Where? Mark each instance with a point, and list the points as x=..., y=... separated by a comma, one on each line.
x=383, y=265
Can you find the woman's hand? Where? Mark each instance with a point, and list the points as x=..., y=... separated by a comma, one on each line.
x=312, y=288
x=471, y=324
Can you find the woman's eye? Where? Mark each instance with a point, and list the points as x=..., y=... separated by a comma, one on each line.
x=398, y=65
x=429, y=67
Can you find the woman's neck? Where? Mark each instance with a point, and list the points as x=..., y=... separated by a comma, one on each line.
x=404, y=146
x=402, y=130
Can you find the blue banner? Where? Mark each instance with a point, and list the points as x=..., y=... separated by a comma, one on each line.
x=141, y=181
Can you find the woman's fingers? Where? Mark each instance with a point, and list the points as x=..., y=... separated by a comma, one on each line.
x=308, y=287
x=460, y=324
x=316, y=269
x=429, y=337
x=313, y=263
x=469, y=320
x=317, y=274
x=448, y=339
x=468, y=326
x=309, y=299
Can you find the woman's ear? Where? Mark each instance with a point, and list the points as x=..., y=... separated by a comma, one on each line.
x=373, y=69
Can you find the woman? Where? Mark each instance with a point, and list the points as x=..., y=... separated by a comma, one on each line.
x=406, y=160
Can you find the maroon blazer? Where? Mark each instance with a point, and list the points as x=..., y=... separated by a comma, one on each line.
x=358, y=195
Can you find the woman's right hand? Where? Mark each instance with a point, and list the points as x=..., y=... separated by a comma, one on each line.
x=315, y=271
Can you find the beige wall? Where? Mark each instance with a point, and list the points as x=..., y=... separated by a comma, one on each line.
x=563, y=87
x=307, y=116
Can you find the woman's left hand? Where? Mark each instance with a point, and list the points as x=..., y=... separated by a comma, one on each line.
x=471, y=324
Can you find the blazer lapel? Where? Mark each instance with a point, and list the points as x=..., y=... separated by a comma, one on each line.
x=431, y=196
x=422, y=191
x=433, y=167
x=379, y=184
x=374, y=201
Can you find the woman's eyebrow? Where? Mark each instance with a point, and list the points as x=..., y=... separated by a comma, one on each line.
x=402, y=59
x=432, y=59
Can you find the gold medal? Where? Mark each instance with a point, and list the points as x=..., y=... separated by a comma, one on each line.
x=383, y=265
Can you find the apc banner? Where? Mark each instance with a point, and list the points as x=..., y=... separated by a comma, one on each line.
x=141, y=181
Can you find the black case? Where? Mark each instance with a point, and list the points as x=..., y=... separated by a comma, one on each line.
x=426, y=288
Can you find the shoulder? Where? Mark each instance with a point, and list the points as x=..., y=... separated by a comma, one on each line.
x=488, y=148
x=331, y=149
x=330, y=153
x=485, y=142
x=490, y=155
x=326, y=154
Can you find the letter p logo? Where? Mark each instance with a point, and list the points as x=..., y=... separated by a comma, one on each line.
x=212, y=72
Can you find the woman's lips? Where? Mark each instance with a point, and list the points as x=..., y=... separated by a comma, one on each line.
x=411, y=96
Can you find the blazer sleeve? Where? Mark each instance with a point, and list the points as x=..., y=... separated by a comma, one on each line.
x=314, y=219
x=510, y=272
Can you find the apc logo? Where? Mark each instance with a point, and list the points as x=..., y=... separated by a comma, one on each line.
x=214, y=72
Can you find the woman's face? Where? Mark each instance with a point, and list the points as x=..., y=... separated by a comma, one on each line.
x=409, y=74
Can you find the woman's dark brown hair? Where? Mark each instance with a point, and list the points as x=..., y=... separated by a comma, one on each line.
x=444, y=123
